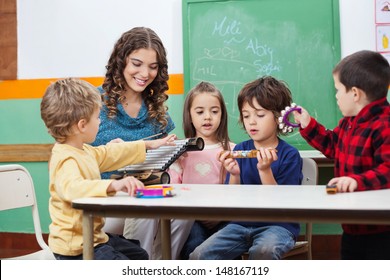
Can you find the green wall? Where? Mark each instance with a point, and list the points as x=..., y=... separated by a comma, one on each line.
x=20, y=123
x=233, y=42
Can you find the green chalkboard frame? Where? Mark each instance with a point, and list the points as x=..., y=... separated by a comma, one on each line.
x=300, y=37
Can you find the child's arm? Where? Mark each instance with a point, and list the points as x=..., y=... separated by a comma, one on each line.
x=70, y=181
x=116, y=140
x=316, y=134
x=376, y=174
x=118, y=153
x=265, y=157
x=231, y=166
x=128, y=184
x=176, y=172
x=153, y=144
x=344, y=184
x=166, y=141
x=302, y=118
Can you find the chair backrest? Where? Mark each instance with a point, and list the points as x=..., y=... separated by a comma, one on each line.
x=310, y=177
x=17, y=191
x=310, y=171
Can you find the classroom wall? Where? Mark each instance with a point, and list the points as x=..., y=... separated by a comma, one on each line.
x=61, y=38
x=82, y=32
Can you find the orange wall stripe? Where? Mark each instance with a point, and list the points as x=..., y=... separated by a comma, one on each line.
x=35, y=88
x=176, y=84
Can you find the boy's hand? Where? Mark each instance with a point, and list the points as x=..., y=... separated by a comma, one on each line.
x=127, y=184
x=302, y=118
x=116, y=140
x=230, y=164
x=166, y=141
x=265, y=156
x=344, y=184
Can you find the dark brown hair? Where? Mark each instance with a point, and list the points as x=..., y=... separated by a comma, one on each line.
x=222, y=132
x=366, y=70
x=271, y=94
x=154, y=95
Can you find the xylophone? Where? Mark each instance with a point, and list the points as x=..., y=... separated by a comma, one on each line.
x=153, y=169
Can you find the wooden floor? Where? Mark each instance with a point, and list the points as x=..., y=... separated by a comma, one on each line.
x=16, y=244
x=325, y=247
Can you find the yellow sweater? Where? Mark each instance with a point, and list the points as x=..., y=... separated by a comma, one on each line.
x=75, y=173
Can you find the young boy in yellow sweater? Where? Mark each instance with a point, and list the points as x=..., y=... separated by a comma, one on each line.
x=70, y=110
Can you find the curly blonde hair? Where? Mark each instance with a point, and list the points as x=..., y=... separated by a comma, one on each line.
x=154, y=95
x=65, y=103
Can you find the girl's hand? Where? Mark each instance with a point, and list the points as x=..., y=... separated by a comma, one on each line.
x=166, y=141
x=127, y=184
x=265, y=157
x=344, y=184
x=302, y=118
x=230, y=164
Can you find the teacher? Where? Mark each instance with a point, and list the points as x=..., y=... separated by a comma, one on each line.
x=134, y=95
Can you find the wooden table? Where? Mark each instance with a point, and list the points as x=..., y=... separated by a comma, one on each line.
x=241, y=203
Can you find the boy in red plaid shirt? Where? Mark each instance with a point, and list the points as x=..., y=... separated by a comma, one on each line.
x=360, y=144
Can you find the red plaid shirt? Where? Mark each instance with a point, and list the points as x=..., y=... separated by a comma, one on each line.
x=360, y=146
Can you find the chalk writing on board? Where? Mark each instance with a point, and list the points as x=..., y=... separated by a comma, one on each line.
x=243, y=55
x=246, y=56
x=233, y=42
x=223, y=28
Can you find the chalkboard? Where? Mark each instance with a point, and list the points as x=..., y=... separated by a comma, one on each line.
x=230, y=43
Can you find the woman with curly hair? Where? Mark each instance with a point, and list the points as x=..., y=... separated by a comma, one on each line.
x=134, y=89
x=134, y=95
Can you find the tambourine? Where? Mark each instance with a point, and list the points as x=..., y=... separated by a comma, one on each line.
x=284, y=123
x=154, y=192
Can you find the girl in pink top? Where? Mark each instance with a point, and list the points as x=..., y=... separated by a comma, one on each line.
x=205, y=116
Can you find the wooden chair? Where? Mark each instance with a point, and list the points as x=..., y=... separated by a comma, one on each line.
x=310, y=177
x=17, y=191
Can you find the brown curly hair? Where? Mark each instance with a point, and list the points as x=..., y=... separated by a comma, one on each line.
x=154, y=95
